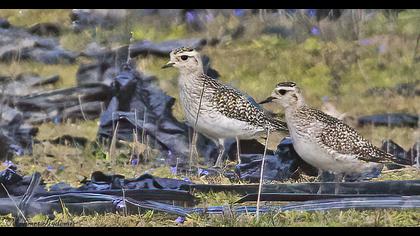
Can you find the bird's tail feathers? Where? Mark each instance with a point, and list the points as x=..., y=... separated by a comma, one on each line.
x=391, y=159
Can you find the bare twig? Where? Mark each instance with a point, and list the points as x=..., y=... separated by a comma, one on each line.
x=365, y=77
x=112, y=148
x=261, y=175
x=135, y=138
x=142, y=134
x=81, y=107
x=238, y=150
x=123, y=198
x=196, y=121
x=7, y=192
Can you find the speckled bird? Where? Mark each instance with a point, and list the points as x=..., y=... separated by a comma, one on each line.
x=325, y=141
x=224, y=112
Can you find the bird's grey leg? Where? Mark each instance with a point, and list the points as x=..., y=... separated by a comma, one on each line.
x=219, y=160
x=238, y=150
x=194, y=143
x=319, y=180
x=193, y=148
x=338, y=178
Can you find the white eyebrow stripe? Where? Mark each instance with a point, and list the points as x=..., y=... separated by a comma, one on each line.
x=190, y=54
x=285, y=88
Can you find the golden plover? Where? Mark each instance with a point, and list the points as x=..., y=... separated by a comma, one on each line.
x=224, y=112
x=325, y=141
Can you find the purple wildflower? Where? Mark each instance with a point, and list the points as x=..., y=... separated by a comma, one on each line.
x=190, y=16
x=50, y=168
x=8, y=163
x=315, y=31
x=291, y=11
x=174, y=170
x=56, y=120
x=18, y=150
x=61, y=168
x=239, y=12
x=119, y=203
x=209, y=17
x=382, y=48
x=311, y=13
x=365, y=42
x=186, y=179
x=202, y=172
x=134, y=162
x=180, y=220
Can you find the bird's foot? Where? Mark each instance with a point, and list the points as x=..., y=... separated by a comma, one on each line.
x=218, y=164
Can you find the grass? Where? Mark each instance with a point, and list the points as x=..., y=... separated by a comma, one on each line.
x=332, y=64
x=334, y=218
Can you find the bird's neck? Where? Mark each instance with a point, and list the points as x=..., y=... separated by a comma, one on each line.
x=191, y=84
x=191, y=77
x=291, y=109
x=191, y=72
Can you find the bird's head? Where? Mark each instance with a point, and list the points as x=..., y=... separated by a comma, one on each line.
x=286, y=94
x=186, y=59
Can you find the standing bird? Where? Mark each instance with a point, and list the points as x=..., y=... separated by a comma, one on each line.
x=325, y=141
x=217, y=110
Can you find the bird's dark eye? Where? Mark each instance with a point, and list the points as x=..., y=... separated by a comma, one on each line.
x=282, y=91
x=184, y=57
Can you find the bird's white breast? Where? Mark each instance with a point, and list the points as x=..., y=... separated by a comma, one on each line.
x=308, y=148
x=210, y=121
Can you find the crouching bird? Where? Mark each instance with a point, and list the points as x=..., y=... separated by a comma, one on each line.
x=324, y=141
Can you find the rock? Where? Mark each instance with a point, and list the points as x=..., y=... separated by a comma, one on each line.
x=17, y=44
x=406, y=157
x=106, y=66
x=414, y=153
x=132, y=92
x=163, y=49
x=409, y=89
x=391, y=147
x=279, y=165
x=251, y=146
x=56, y=105
x=4, y=24
x=87, y=18
x=390, y=119
x=25, y=84
x=70, y=140
x=279, y=31
x=15, y=134
x=86, y=111
x=274, y=168
x=45, y=29
x=98, y=72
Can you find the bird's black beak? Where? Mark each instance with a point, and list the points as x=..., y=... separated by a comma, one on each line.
x=267, y=100
x=167, y=65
